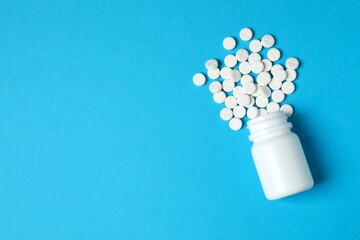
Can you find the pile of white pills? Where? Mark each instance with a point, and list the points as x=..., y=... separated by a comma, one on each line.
x=249, y=84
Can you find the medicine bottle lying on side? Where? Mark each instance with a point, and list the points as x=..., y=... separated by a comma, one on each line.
x=279, y=157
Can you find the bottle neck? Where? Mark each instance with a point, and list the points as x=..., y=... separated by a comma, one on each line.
x=268, y=124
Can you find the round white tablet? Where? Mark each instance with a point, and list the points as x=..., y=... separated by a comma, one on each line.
x=275, y=84
x=230, y=102
x=246, y=78
x=219, y=97
x=251, y=103
x=278, y=96
x=211, y=64
x=256, y=93
x=292, y=63
x=262, y=101
x=237, y=91
x=199, y=79
x=226, y=114
x=268, y=41
x=273, y=107
x=239, y=112
x=255, y=45
x=230, y=61
x=225, y=72
x=235, y=75
x=264, y=91
x=287, y=109
x=228, y=85
x=246, y=34
x=243, y=99
x=242, y=55
x=267, y=64
x=244, y=68
x=288, y=87
x=235, y=124
x=263, y=78
x=257, y=67
x=215, y=87
x=249, y=87
x=262, y=112
x=254, y=57
x=275, y=68
x=290, y=75
x=229, y=43
x=214, y=73
x=280, y=75
x=273, y=54
x=252, y=112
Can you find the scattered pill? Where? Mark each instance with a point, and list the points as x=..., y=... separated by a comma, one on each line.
x=243, y=99
x=219, y=97
x=211, y=64
x=267, y=64
x=230, y=61
x=214, y=73
x=229, y=43
x=290, y=75
x=255, y=45
x=239, y=112
x=263, y=78
x=225, y=72
x=215, y=87
x=199, y=79
x=235, y=75
x=257, y=67
x=235, y=124
x=226, y=114
x=262, y=101
x=263, y=112
x=242, y=55
x=288, y=87
x=275, y=84
x=249, y=87
x=280, y=75
x=246, y=34
x=273, y=107
x=228, y=85
x=292, y=63
x=278, y=96
x=252, y=112
x=267, y=41
x=275, y=68
x=254, y=57
x=237, y=91
x=287, y=109
x=246, y=78
x=251, y=103
x=273, y=54
x=244, y=68
x=264, y=91
x=230, y=102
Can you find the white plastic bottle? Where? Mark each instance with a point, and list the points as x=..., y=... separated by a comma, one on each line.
x=279, y=157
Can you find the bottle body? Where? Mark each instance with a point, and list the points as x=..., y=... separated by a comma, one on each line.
x=279, y=157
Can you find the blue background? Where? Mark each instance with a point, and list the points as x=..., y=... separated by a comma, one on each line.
x=104, y=135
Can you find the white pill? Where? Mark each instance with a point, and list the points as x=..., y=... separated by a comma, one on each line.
x=211, y=64
x=229, y=43
x=235, y=124
x=239, y=112
x=275, y=68
x=230, y=102
x=268, y=41
x=273, y=54
x=246, y=34
x=230, y=61
x=273, y=107
x=278, y=96
x=264, y=91
x=219, y=97
x=226, y=114
x=290, y=75
x=237, y=91
x=263, y=112
x=254, y=57
x=214, y=73
x=267, y=64
x=263, y=78
x=225, y=72
x=228, y=85
x=257, y=67
x=292, y=63
x=287, y=109
x=288, y=87
x=275, y=84
x=245, y=68
x=255, y=45
x=199, y=79
x=252, y=112
x=246, y=78
x=243, y=99
x=262, y=101
x=251, y=103
x=242, y=55
x=249, y=87
x=256, y=93
x=215, y=87
x=280, y=75
x=235, y=75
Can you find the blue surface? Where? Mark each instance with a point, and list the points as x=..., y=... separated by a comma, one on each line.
x=104, y=135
